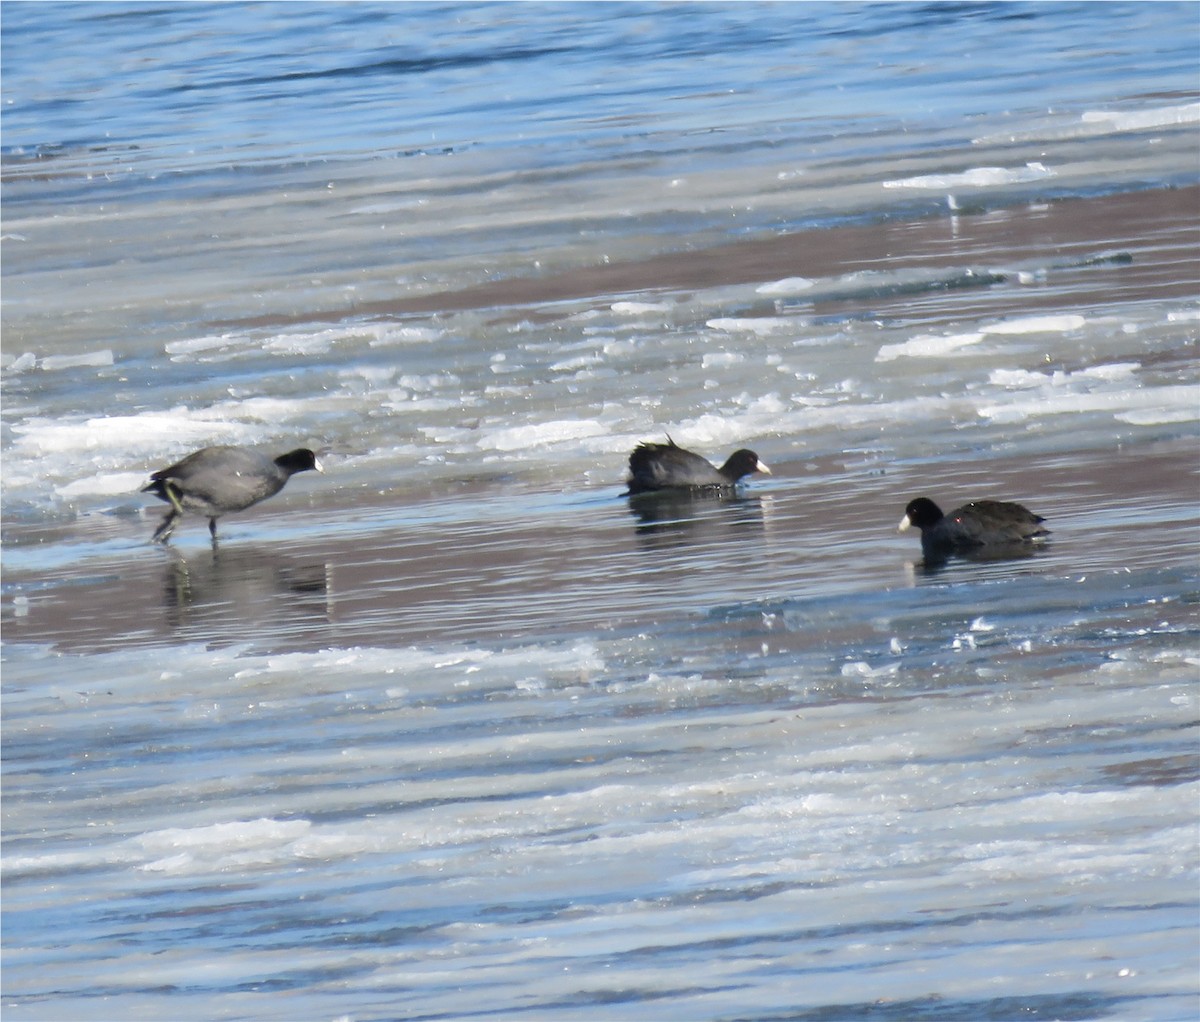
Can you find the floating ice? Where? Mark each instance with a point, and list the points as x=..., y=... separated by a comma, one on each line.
x=761, y=325
x=21, y=363
x=761, y=416
x=314, y=340
x=862, y=669
x=787, y=286
x=640, y=308
x=106, y=484
x=721, y=358
x=103, y=357
x=194, y=344
x=383, y=334
x=927, y=346
x=130, y=433
x=396, y=206
x=978, y=177
x=1159, y=416
x=1037, y=325
x=1184, y=316
x=239, y=844
x=1138, y=120
x=577, y=363
x=1157, y=404
x=515, y=438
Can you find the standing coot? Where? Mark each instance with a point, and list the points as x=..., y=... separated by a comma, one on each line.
x=217, y=480
x=669, y=467
x=995, y=524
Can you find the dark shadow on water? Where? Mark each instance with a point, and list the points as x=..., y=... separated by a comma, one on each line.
x=934, y=564
x=675, y=517
x=243, y=586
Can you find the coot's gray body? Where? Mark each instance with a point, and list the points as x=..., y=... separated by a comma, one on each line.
x=216, y=481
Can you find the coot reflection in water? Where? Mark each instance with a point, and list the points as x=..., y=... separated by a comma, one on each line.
x=676, y=517
x=244, y=589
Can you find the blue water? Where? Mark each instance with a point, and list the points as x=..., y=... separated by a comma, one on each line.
x=453, y=731
x=189, y=88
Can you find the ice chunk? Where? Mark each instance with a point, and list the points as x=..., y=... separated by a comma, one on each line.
x=1037, y=325
x=515, y=438
x=721, y=358
x=1123, y=402
x=21, y=363
x=195, y=344
x=927, y=346
x=978, y=177
x=639, y=308
x=787, y=286
x=106, y=484
x=103, y=357
x=761, y=325
x=1158, y=416
x=1138, y=120
x=122, y=432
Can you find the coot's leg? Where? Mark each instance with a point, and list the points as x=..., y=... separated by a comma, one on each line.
x=163, y=532
x=212, y=529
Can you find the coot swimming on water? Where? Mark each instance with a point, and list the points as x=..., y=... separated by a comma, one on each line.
x=215, y=481
x=973, y=527
x=668, y=466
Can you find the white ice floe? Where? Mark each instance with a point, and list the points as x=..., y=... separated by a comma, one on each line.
x=1140, y=120
x=384, y=334
x=315, y=340
x=422, y=670
x=1025, y=378
x=515, y=438
x=787, y=286
x=977, y=177
x=125, y=433
x=1037, y=325
x=713, y=359
x=760, y=325
x=193, y=345
x=103, y=357
x=927, y=346
x=104, y=484
x=640, y=308
x=1156, y=416
x=1184, y=316
x=240, y=843
x=1066, y=396
x=20, y=364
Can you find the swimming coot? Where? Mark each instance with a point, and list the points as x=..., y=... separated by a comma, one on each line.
x=973, y=527
x=668, y=466
x=215, y=481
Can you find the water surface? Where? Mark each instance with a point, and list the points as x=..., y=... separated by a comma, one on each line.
x=454, y=730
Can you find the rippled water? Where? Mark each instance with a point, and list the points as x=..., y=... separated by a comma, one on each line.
x=455, y=730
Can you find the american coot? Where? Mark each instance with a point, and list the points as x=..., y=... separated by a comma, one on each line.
x=668, y=466
x=217, y=480
x=973, y=528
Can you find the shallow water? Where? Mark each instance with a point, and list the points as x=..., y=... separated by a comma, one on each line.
x=454, y=729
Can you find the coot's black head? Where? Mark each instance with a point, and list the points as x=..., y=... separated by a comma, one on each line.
x=300, y=460
x=742, y=463
x=922, y=512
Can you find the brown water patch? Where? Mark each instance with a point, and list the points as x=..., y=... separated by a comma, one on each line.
x=1158, y=229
